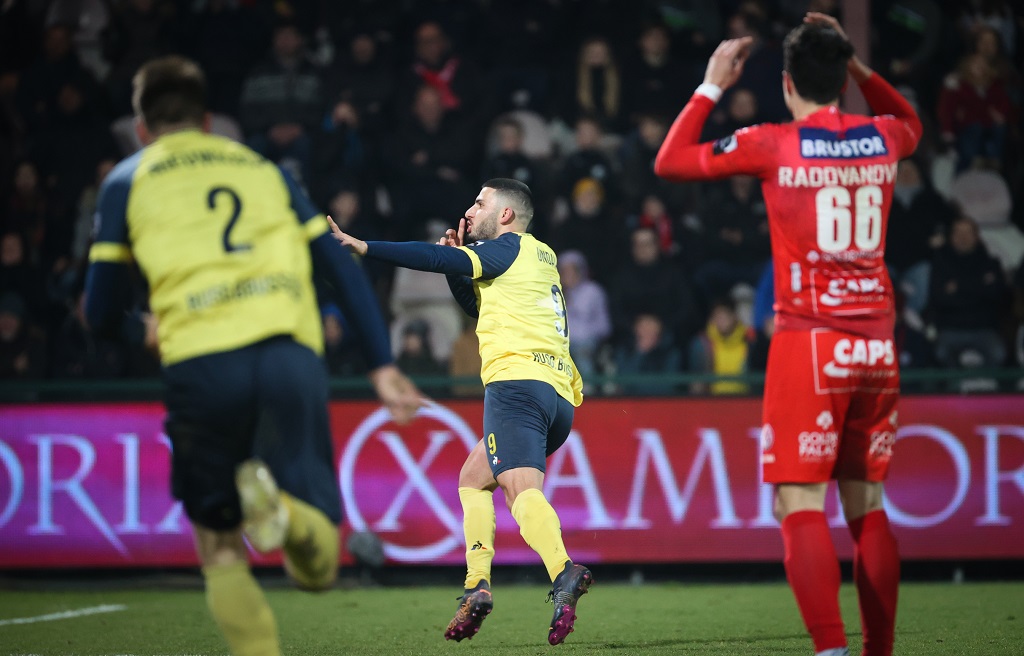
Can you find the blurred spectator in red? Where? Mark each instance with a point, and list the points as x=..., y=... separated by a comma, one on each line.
x=973, y=113
x=650, y=284
x=431, y=159
x=721, y=350
x=734, y=242
x=456, y=79
x=22, y=347
x=649, y=351
x=594, y=88
x=968, y=294
x=282, y=103
x=987, y=42
x=586, y=305
x=918, y=221
x=656, y=82
x=655, y=215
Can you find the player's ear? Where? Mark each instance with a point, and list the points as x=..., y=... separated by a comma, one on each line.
x=142, y=132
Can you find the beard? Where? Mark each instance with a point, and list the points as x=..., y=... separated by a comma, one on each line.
x=486, y=229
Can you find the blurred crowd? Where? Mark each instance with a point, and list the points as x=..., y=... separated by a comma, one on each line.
x=392, y=112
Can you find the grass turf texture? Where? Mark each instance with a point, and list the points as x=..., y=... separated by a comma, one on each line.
x=935, y=619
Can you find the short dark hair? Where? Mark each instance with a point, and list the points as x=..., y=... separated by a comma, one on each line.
x=168, y=91
x=517, y=193
x=815, y=56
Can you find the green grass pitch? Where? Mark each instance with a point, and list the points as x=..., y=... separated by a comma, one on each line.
x=934, y=619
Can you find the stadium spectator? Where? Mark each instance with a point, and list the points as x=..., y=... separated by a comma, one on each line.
x=588, y=160
x=521, y=35
x=465, y=361
x=79, y=354
x=19, y=275
x=762, y=67
x=637, y=165
x=968, y=292
x=431, y=159
x=589, y=228
x=987, y=42
x=973, y=114
x=649, y=351
x=722, y=349
x=586, y=306
x=734, y=239
x=739, y=111
x=655, y=215
x=997, y=14
x=509, y=161
x=26, y=212
x=341, y=354
x=650, y=284
x=136, y=32
x=656, y=82
x=593, y=88
x=22, y=347
x=910, y=35
x=457, y=81
x=415, y=356
x=918, y=220
x=340, y=151
x=363, y=78
x=282, y=103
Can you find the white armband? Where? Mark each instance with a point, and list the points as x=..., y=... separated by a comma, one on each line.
x=711, y=91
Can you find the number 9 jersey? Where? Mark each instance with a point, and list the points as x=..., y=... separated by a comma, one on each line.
x=827, y=182
x=523, y=331
x=222, y=237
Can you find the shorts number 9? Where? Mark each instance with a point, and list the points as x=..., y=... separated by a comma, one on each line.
x=492, y=446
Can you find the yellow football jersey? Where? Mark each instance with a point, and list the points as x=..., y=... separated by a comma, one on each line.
x=222, y=239
x=523, y=331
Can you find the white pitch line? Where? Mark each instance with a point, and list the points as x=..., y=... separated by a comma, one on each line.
x=65, y=615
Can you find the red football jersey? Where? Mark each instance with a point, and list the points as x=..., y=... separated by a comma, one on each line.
x=827, y=182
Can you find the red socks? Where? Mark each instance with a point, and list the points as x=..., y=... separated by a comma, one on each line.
x=876, y=571
x=812, y=569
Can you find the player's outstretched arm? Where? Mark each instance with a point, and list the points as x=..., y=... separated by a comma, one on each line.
x=420, y=256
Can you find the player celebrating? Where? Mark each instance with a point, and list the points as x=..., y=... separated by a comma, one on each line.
x=509, y=280
x=224, y=238
x=832, y=379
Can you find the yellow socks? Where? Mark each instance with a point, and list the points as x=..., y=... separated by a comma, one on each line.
x=539, y=526
x=478, y=526
x=310, y=546
x=240, y=610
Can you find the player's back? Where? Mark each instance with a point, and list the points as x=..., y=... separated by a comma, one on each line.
x=522, y=327
x=828, y=191
x=211, y=225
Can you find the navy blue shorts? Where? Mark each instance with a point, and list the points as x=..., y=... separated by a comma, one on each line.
x=269, y=400
x=525, y=421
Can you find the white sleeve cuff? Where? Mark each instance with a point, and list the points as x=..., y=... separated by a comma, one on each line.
x=711, y=91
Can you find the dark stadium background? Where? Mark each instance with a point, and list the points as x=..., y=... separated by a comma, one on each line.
x=397, y=150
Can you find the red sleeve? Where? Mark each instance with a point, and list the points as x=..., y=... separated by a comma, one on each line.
x=682, y=158
x=884, y=99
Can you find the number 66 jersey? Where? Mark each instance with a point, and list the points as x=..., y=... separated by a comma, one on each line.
x=827, y=182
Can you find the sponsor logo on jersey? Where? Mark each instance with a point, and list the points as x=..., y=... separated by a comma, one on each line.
x=857, y=354
x=818, y=445
x=863, y=141
x=881, y=444
x=824, y=420
x=839, y=289
x=724, y=145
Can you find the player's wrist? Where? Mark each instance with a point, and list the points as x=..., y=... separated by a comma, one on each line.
x=709, y=90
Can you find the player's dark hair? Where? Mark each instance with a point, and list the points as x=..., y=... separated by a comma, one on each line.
x=518, y=195
x=169, y=91
x=815, y=56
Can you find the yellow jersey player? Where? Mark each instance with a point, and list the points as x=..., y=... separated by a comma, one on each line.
x=228, y=244
x=509, y=280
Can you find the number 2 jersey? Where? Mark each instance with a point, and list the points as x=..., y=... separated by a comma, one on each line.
x=225, y=241
x=512, y=284
x=827, y=182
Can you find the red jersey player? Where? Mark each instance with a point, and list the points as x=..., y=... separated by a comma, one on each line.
x=832, y=380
